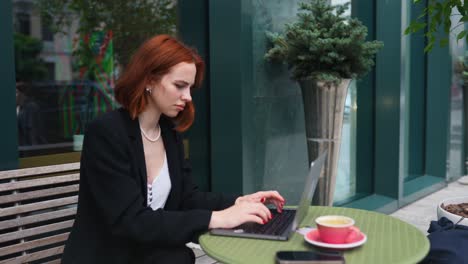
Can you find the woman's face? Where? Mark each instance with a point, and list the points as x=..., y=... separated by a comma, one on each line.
x=172, y=92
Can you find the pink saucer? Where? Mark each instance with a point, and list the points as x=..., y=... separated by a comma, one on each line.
x=313, y=238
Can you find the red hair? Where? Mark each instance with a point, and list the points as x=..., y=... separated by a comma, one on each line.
x=150, y=63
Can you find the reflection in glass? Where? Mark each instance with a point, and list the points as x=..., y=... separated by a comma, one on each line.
x=346, y=174
x=67, y=58
x=456, y=160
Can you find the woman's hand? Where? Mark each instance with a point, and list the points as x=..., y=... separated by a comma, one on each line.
x=265, y=197
x=240, y=213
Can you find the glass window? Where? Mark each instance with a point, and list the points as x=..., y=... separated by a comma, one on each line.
x=47, y=34
x=68, y=55
x=418, y=101
x=279, y=149
x=346, y=173
x=23, y=23
x=456, y=160
x=456, y=152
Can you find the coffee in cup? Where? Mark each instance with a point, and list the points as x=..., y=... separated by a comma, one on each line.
x=336, y=229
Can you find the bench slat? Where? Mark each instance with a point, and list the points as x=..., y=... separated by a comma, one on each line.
x=42, y=179
x=33, y=244
x=35, y=256
x=38, y=182
x=17, y=197
x=38, y=206
x=17, y=222
x=57, y=261
x=35, y=231
x=11, y=174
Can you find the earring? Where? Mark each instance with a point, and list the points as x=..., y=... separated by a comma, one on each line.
x=148, y=90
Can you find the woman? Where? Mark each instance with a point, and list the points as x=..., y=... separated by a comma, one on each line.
x=137, y=202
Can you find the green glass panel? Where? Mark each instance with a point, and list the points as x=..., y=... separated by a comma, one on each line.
x=417, y=99
x=387, y=100
x=439, y=75
x=346, y=174
x=193, y=30
x=226, y=84
x=365, y=100
x=9, y=139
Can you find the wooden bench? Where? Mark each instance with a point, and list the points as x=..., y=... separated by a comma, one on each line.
x=37, y=210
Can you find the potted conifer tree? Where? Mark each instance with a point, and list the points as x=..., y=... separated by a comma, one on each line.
x=325, y=50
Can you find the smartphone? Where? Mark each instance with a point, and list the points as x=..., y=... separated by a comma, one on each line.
x=309, y=257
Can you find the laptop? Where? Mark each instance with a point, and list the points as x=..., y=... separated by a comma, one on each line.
x=282, y=225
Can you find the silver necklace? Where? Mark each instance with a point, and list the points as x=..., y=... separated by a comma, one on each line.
x=149, y=138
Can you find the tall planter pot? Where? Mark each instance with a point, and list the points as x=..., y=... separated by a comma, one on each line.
x=323, y=111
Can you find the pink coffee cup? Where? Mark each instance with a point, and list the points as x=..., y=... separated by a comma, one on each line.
x=336, y=229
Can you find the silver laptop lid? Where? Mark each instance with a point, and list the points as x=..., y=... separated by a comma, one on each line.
x=309, y=189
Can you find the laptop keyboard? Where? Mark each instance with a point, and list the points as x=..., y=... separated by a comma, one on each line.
x=276, y=226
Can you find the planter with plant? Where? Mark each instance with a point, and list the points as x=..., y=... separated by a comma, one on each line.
x=325, y=50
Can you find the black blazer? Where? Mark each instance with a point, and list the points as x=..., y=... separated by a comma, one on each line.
x=113, y=222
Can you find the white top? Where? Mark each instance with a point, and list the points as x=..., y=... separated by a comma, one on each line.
x=159, y=189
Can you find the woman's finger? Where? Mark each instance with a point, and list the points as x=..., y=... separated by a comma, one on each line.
x=270, y=195
x=264, y=197
x=276, y=203
x=279, y=205
x=253, y=218
x=275, y=195
x=266, y=212
x=260, y=210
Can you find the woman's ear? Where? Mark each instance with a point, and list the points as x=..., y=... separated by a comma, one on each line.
x=149, y=89
x=152, y=82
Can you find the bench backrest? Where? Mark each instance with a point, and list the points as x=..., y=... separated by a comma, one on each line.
x=37, y=210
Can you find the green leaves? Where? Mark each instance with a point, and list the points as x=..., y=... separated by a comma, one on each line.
x=414, y=27
x=323, y=44
x=439, y=14
x=131, y=22
x=461, y=35
x=28, y=64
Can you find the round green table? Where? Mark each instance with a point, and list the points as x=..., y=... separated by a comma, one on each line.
x=389, y=240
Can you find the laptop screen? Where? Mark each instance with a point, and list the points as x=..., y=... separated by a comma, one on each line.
x=309, y=189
